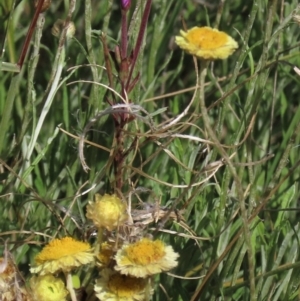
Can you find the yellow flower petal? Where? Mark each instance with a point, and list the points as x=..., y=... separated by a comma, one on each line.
x=113, y=286
x=145, y=257
x=206, y=43
x=107, y=211
x=62, y=254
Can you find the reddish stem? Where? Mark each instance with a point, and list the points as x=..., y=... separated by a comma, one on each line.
x=139, y=40
x=119, y=155
x=124, y=34
x=29, y=33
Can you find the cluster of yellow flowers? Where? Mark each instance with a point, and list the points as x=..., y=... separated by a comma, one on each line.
x=124, y=273
x=125, y=268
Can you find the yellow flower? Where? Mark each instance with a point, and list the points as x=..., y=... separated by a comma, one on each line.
x=206, y=43
x=113, y=286
x=145, y=257
x=62, y=254
x=107, y=211
x=48, y=288
x=105, y=254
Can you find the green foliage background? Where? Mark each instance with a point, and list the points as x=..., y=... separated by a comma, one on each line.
x=253, y=106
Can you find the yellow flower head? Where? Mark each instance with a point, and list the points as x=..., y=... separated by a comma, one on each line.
x=105, y=254
x=62, y=254
x=113, y=286
x=107, y=211
x=206, y=43
x=48, y=288
x=145, y=257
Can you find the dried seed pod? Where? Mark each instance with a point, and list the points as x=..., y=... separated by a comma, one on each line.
x=296, y=18
x=58, y=27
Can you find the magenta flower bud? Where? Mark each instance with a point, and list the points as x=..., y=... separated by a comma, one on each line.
x=125, y=4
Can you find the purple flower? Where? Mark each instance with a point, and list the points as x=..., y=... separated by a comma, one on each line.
x=125, y=4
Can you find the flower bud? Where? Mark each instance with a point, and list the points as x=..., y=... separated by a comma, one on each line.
x=107, y=211
x=48, y=288
x=125, y=4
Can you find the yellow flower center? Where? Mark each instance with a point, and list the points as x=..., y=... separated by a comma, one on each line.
x=125, y=286
x=206, y=38
x=145, y=251
x=59, y=248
